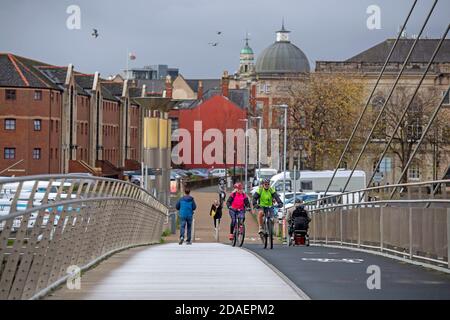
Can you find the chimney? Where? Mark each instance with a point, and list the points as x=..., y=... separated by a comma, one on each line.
x=200, y=90
x=225, y=84
x=253, y=96
x=169, y=87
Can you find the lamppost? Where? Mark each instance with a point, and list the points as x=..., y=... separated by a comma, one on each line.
x=259, y=143
x=285, y=107
x=245, y=153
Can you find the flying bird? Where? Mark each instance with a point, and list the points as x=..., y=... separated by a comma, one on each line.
x=214, y=44
x=219, y=32
x=95, y=33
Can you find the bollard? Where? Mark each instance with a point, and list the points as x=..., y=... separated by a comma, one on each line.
x=173, y=222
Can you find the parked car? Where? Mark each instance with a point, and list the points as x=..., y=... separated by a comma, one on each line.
x=218, y=172
x=200, y=173
x=180, y=172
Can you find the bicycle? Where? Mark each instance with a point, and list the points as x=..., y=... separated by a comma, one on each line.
x=239, y=230
x=267, y=236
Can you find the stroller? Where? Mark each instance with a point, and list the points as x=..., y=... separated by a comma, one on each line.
x=298, y=227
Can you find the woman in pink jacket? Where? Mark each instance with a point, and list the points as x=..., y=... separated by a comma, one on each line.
x=236, y=204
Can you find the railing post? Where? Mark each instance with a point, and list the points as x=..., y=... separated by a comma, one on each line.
x=340, y=218
x=381, y=228
x=359, y=227
x=448, y=238
x=410, y=234
x=315, y=224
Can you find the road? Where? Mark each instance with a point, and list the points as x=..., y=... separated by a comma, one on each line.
x=337, y=278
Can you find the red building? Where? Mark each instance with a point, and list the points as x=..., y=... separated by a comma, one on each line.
x=216, y=112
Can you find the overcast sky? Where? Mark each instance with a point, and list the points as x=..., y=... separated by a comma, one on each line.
x=177, y=32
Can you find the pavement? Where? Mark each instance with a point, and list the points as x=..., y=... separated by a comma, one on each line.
x=202, y=271
x=329, y=273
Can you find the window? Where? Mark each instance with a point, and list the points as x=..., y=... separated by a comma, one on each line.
x=414, y=131
x=380, y=130
x=57, y=124
x=447, y=97
x=10, y=124
x=10, y=153
x=259, y=105
x=37, y=153
x=446, y=134
x=385, y=165
x=38, y=95
x=10, y=94
x=37, y=125
x=414, y=172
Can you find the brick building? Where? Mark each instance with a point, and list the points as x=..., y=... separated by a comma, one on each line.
x=57, y=120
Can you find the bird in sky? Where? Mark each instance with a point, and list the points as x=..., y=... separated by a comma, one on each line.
x=214, y=44
x=219, y=32
x=95, y=33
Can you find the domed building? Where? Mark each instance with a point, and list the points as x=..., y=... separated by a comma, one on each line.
x=282, y=58
x=278, y=67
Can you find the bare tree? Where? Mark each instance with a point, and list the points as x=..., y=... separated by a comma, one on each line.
x=323, y=112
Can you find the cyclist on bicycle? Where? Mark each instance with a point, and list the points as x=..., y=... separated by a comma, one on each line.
x=262, y=199
x=236, y=204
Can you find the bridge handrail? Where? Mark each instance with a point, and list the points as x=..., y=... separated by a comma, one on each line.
x=378, y=188
x=405, y=227
x=64, y=221
x=369, y=204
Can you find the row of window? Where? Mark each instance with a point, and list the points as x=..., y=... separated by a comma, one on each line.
x=10, y=124
x=84, y=128
x=11, y=94
x=110, y=130
x=10, y=153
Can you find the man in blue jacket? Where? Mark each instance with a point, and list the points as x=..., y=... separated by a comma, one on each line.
x=186, y=206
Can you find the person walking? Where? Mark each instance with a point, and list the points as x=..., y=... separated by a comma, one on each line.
x=186, y=207
x=216, y=213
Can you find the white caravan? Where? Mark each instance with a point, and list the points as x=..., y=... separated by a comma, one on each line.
x=317, y=181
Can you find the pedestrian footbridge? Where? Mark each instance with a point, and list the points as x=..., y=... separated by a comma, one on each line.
x=54, y=227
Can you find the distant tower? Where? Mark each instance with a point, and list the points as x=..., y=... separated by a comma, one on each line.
x=247, y=60
x=283, y=34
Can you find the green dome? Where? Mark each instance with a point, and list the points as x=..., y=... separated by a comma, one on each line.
x=247, y=50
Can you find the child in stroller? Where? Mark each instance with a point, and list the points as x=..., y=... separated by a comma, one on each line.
x=298, y=222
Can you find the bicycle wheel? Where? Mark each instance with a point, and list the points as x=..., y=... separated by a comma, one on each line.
x=265, y=232
x=270, y=228
x=235, y=234
x=241, y=232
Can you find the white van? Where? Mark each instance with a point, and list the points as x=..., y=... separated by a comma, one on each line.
x=218, y=172
x=263, y=173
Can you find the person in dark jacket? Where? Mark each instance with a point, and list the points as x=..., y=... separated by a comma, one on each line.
x=299, y=219
x=216, y=212
x=186, y=207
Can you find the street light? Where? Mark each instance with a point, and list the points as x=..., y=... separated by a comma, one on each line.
x=259, y=143
x=285, y=107
x=245, y=152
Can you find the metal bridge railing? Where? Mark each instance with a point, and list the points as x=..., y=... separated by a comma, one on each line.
x=414, y=224
x=53, y=223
